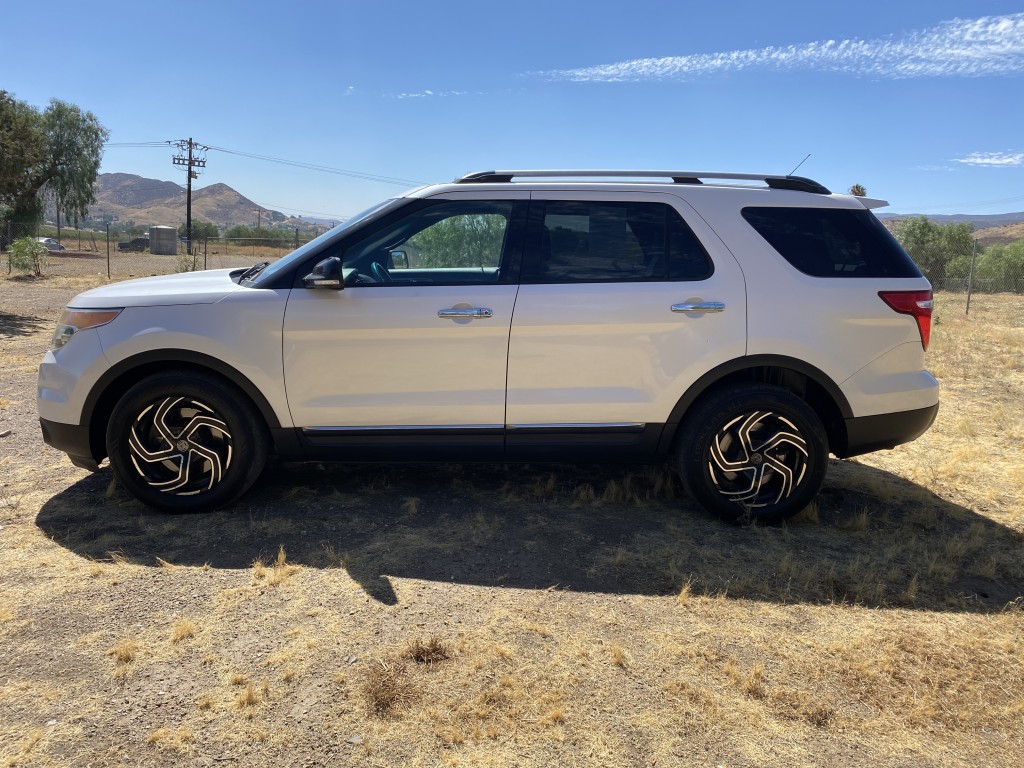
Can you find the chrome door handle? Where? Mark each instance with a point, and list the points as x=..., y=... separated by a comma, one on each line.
x=465, y=313
x=700, y=306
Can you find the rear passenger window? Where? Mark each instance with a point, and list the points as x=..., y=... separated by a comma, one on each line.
x=584, y=241
x=832, y=242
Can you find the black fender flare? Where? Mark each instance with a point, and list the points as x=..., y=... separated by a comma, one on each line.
x=102, y=397
x=737, y=365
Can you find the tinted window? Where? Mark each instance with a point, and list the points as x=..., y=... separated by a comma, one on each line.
x=448, y=242
x=832, y=242
x=577, y=241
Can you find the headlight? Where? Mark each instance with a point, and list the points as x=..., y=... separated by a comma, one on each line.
x=74, y=320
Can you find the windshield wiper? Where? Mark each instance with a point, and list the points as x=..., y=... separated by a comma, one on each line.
x=252, y=271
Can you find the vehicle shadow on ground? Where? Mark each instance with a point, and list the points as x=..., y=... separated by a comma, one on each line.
x=20, y=325
x=872, y=538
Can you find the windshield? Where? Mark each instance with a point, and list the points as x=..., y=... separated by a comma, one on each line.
x=282, y=265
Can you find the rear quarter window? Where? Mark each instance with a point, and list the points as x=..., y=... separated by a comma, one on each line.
x=832, y=242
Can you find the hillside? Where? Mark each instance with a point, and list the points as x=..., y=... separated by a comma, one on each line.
x=151, y=201
x=1008, y=233
x=989, y=229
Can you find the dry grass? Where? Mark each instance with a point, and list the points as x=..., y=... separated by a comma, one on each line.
x=176, y=739
x=534, y=616
x=124, y=652
x=430, y=651
x=387, y=687
x=183, y=629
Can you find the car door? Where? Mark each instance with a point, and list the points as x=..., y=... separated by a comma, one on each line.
x=623, y=305
x=413, y=351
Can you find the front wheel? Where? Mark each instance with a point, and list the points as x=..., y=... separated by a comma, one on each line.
x=753, y=453
x=185, y=442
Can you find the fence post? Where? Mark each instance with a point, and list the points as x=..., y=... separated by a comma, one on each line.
x=970, y=276
x=108, y=250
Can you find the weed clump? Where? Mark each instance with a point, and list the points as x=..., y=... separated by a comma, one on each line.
x=387, y=687
x=430, y=651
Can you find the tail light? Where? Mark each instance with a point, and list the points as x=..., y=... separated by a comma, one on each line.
x=918, y=304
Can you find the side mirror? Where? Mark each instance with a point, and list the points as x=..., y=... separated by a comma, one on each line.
x=326, y=274
x=400, y=259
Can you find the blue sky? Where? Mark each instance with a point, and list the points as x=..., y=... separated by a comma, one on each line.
x=921, y=102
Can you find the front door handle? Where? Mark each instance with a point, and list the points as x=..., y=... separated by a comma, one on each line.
x=699, y=306
x=464, y=313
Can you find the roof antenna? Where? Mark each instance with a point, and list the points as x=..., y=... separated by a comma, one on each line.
x=799, y=164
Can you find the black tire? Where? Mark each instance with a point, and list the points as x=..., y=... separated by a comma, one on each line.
x=186, y=441
x=752, y=452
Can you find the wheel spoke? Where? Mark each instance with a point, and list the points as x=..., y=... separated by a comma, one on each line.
x=744, y=432
x=757, y=459
x=159, y=420
x=180, y=446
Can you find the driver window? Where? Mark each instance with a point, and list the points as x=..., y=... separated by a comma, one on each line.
x=452, y=242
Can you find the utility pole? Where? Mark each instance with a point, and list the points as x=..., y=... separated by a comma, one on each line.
x=187, y=158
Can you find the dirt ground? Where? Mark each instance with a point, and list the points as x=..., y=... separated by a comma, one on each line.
x=521, y=616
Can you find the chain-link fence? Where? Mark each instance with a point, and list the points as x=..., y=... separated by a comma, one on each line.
x=957, y=264
x=90, y=253
x=978, y=272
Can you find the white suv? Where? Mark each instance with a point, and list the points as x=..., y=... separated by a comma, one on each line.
x=745, y=328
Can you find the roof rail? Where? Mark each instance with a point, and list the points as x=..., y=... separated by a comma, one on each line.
x=775, y=181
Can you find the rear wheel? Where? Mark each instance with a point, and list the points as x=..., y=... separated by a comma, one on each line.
x=753, y=452
x=185, y=442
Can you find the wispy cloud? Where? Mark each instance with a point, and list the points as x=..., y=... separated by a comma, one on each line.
x=990, y=45
x=992, y=159
x=429, y=94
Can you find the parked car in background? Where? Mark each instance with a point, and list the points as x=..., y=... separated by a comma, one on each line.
x=137, y=244
x=50, y=243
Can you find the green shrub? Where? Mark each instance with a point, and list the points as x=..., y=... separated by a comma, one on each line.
x=28, y=254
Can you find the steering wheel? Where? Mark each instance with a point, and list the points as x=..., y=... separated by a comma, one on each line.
x=381, y=273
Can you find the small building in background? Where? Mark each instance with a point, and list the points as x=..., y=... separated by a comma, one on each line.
x=163, y=241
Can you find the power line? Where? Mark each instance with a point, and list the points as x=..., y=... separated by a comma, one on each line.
x=281, y=161
x=322, y=168
x=337, y=216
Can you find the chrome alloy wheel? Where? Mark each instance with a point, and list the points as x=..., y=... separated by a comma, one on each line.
x=178, y=445
x=757, y=459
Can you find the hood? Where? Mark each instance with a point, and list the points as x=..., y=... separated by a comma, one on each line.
x=204, y=287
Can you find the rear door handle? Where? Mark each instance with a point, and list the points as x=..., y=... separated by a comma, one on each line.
x=699, y=306
x=463, y=313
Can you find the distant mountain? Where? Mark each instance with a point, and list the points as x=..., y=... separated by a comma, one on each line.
x=151, y=201
x=980, y=221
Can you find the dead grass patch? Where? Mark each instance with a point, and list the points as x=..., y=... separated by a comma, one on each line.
x=430, y=651
x=175, y=739
x=533, y=616
x=277, y=572
x=387, y=687
x=183, y=629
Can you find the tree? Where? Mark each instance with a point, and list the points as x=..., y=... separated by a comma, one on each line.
x=201, y=230
x=997, y=268
x=932, y=246
x=22, y=148
x=263, y=236
x=472, y=240
x=56, y=152
x=74, y=141
x=858, y=190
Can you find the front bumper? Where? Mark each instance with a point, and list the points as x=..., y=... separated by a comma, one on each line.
x=72, y=439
